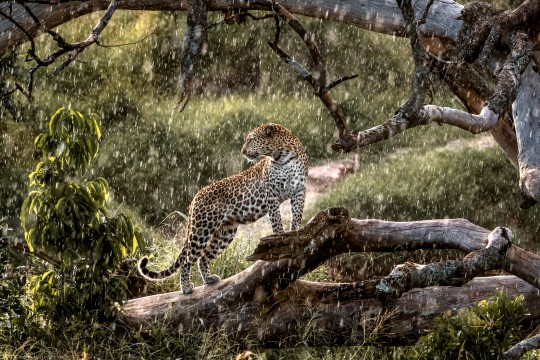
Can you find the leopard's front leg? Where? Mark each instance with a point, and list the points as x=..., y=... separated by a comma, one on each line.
x=275, y=216
x=297, y=208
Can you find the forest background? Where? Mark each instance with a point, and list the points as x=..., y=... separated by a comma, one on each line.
x=155, y=158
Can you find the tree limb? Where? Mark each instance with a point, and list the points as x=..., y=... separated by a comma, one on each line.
x=522, y=347
x=267, y=305
x=64, y=47
x=19, y=246
x=504, y=95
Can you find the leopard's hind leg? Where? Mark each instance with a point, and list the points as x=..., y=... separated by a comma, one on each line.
x=219, y=242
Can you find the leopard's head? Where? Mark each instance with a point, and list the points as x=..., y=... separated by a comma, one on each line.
x=271, y=140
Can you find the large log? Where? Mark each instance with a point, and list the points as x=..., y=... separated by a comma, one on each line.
x=267, y=305
x=336, y=312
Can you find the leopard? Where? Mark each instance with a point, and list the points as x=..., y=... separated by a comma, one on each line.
x=216, y=211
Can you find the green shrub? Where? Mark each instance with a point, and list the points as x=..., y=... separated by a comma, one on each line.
x=483, y=332
x=67, y=219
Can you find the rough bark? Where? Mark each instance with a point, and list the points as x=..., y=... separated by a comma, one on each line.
x=267, y=305
x=282, y=318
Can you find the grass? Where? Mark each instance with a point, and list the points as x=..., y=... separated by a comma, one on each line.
x=477, y=184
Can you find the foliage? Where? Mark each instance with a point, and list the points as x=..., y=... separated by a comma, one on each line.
x=67, y=219
x=483, y=332
x=13, y=300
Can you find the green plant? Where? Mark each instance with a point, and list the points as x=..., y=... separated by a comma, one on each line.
x=67, y=219
x=484, y=331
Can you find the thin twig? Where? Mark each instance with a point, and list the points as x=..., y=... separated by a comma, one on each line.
x=238, y=19
x=64, y=46
x=92, y=38
x=339, y=81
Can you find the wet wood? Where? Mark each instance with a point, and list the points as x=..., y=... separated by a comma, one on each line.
x=268, y=305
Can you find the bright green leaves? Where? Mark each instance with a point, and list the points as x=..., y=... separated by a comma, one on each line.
x=69, y=146
x=68, y=219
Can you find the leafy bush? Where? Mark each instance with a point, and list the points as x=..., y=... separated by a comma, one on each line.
x=483, y=332
x=67, y=220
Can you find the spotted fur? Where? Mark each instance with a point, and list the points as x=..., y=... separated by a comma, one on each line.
x=218, y=209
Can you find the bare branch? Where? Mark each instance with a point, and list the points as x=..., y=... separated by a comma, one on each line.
x=338, y=81
x=64, y=47
x=238, y=16
x=20, y=246
x=317, y=78
x=505, y=93
x=92, y=38
x=464, y=120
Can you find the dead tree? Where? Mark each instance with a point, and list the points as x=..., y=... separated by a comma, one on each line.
x=488, y=58
x=268, y=305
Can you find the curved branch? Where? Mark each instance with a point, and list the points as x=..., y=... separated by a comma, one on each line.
x=508, y=82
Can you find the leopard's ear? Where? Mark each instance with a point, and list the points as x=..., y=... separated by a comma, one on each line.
x=269, y=130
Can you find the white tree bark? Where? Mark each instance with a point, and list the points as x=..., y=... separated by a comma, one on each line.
x=379, y=16
x=464, y=120
x=526, y=111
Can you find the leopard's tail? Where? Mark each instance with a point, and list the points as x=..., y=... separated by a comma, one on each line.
x=155, y=275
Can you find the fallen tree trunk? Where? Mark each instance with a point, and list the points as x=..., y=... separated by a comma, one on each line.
x=322, y=314
x=266, y=304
